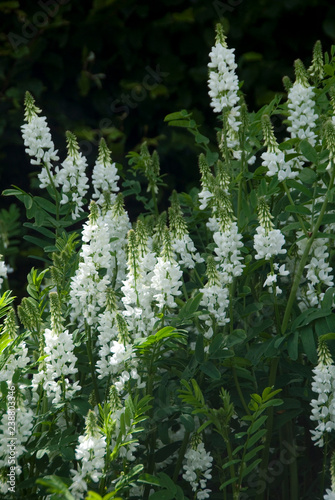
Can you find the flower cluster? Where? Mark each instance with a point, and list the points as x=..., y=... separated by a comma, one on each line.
x=223, y=81
x=330, y=494
x=182, y=244
x=88, y=288
x=72, y=176
x=38, y=142
x=274, y=159
x=59, y=365
x=323, y=408
x=166, y=279
x=223, y=89
x=301, y=105
x=19, y=360
x=138, y=293
x=198, y=468
x=215, y=297
x=268, y=243
x=104, y=177
x=318, y=270
x=228, y=253
x=91, y=452
x=23, y=424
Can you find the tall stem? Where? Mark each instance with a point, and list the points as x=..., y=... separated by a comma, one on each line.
x=238, y=387
x=181, y=455
x=55, y=193
x=269, y=422
x=304, y=257
x=288, y=194
x=90, y=357
x=322, y=482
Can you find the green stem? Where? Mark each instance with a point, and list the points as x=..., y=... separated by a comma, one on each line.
x=323, y=475
x=231, y=310
x=56, y=195
x=288, y=194
x=243, y=165
x=304, y=257
x=277, y=316
x=181, y=455
x=102, y=488
x=184, y=289
x=294, y=483
x=269, y=422
x=231, y=467
x=92, y=364
x=64, y=395
x=152, y=442
x=198, y=277
x=154, y=199
x=238, y=387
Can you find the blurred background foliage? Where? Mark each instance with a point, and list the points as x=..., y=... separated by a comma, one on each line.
x=116, y=68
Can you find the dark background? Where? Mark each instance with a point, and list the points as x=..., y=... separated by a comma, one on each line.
x=81, y=59
x=116, y=68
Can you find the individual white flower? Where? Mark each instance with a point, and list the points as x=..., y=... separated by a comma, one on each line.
x=38, y=142
x=185, y=249
x=71, y=177
x=3, y=270
x=277, y=165
x=272, y=278
x=329, y=495
x=204, y=196
x=104, y=176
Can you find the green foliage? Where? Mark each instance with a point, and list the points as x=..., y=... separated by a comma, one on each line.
x=163, y=355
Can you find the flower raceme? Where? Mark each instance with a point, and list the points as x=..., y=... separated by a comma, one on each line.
x=198, y=468
x=323, y=408
x=38, y=142
x=301, y=105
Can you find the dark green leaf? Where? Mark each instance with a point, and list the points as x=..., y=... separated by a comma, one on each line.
x=307, y=175
x=256, y=437
x=298, y=209
x=308, y=151
x=308, y=344
x=292, y=346
x=199, y=348
x=210, y=369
